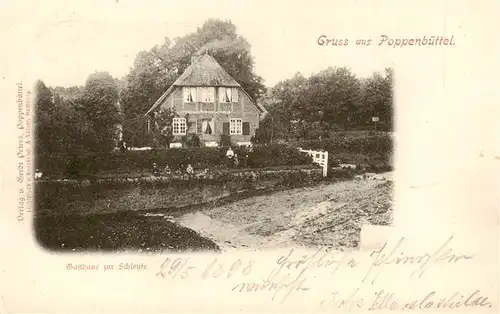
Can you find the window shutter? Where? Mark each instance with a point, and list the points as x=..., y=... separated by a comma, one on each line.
x=190, y=127
x=246, y=128
x=225, y=128
x=198, y=126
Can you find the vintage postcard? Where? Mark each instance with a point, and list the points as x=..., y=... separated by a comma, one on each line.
x=250, y=156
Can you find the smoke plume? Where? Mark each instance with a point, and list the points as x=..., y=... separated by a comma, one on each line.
x=227, y=44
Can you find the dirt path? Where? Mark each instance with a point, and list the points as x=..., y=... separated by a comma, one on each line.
x=329, y=215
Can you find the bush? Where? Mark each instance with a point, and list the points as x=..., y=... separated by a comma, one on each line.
x=276, y=155
x=73, y=167
x=191, y=140
x=262, y=136
x=225, y=140
x=175, y=158
x=151, y=141
x=366, y=144
x=371, y=151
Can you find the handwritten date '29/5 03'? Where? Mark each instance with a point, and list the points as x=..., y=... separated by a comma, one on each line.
x=182, y=269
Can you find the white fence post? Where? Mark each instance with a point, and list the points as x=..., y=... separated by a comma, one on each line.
x=325, y=164
x=319, y=157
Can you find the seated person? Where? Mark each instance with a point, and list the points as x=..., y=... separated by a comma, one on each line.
x=190, y=169
x=167, y=170
x=156, y=171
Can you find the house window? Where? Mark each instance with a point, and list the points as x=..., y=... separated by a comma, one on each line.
x=206, y=94
x=179, y=126
x=234, y=95
x=228, y=94
x=189, y=94
x=206, y=126
x=235, y=126
x=225, y=94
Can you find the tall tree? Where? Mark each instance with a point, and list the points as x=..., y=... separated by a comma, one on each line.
x=311, y=107
x=100, y=107
x=335, y=92
x=288, y=109
x=45, y=111
x=377, y=99
x=61, y=130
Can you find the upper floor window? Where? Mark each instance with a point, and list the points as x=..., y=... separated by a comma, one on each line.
x=189, y=94
x=228, y=94
x=179, y=126
x=206, y=94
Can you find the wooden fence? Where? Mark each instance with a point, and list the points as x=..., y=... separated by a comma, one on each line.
x=319, y=157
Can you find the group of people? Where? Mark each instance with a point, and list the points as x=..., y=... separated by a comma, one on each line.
x=168, y=171
x=234, y=160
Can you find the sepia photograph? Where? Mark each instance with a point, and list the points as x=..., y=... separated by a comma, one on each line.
x=194, y=150
x=261, y=156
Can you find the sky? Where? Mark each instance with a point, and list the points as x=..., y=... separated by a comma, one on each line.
x=74, y=39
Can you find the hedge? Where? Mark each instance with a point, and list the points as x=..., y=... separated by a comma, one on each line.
x=381, y=143
x=372, y=151
x=175, y=158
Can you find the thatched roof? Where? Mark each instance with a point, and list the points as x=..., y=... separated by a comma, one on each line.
x=205, y=71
